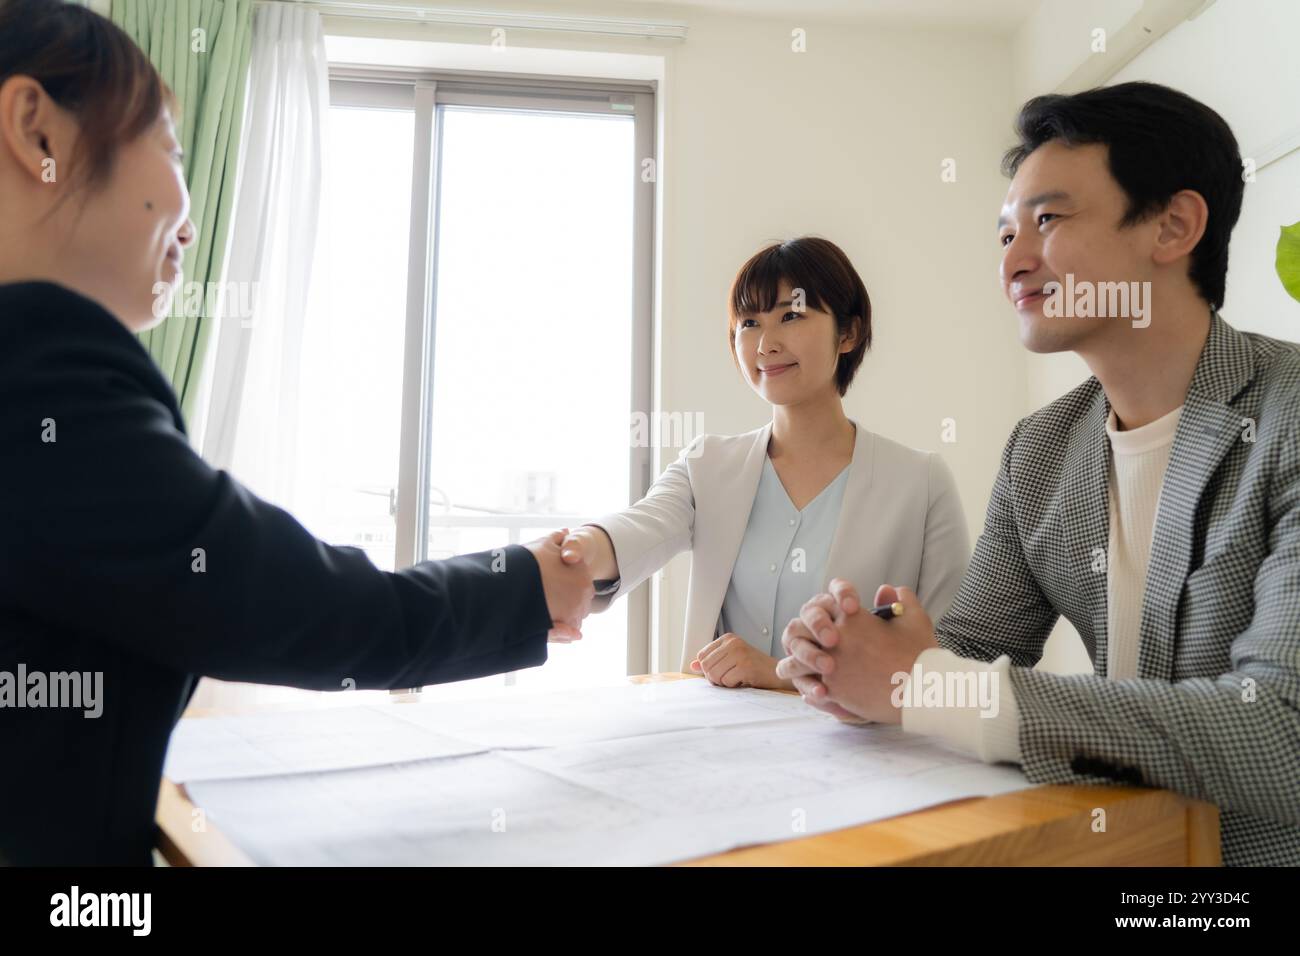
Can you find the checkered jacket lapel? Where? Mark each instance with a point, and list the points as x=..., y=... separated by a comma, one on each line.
x=1207, y=429
x=1084, y=517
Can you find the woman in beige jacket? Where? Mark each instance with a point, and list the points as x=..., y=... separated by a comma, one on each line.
x=772, y=515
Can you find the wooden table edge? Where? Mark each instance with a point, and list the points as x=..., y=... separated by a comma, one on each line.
x=1044, y=825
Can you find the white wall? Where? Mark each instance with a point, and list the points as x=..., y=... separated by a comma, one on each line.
x=846, y=141
x=1057, y=37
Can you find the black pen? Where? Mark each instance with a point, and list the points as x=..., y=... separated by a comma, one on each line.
x=887, y=611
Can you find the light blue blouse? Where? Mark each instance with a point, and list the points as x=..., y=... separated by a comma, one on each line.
x=782, y=560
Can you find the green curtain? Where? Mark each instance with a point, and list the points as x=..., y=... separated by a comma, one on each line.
x=208, y=72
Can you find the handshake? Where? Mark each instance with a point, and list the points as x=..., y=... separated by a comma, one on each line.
x=570, y=562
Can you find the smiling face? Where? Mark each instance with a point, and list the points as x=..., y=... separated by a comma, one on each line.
x=1062, y=217
x=789, y=356
x=128, y=237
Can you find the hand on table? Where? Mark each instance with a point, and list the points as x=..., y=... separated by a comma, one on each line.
x=730, y=661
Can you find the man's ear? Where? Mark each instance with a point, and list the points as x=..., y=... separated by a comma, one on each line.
x=1182, y=224
x=33, y=130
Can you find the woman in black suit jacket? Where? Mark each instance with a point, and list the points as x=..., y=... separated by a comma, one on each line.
x=122, y=553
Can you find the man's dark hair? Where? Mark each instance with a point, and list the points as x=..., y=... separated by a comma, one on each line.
x=1158, y=141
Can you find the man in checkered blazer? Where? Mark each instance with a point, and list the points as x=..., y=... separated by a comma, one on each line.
x=1156, y=506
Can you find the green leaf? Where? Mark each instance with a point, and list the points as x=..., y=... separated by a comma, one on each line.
x=1288, y=259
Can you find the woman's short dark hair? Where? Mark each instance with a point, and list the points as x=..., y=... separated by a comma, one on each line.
x=829, y=283
x=1158, y=141
x=92, y=69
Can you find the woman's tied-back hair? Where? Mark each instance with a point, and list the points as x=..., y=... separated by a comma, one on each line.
x=90, y=68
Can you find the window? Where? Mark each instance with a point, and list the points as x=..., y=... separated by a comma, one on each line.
x=350, y=419
x=479, y=329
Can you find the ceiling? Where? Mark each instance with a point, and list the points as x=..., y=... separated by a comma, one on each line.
x=992, y=16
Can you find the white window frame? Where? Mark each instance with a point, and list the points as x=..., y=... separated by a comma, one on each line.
x=423, y=91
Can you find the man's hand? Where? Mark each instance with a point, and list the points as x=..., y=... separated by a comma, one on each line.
x=828, y=610
x=845, y=663
x=568, y=588
x=732, y=662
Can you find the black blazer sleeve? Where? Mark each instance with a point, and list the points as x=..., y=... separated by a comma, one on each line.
x=117, y=530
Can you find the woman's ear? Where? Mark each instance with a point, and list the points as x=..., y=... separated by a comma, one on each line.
x=32, y=130
x=849, y=337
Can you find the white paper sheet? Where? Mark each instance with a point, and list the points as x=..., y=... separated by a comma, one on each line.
x=600, y=713
x=641, y=774
x=334, y=738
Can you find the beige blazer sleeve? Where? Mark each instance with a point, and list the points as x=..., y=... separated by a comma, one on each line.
x=945, y=552
x=650, y=533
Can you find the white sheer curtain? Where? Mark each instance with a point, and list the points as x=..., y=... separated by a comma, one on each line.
x=252, y=416
x=253, y=413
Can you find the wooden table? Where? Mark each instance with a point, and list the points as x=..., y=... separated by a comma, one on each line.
x=1042, y=826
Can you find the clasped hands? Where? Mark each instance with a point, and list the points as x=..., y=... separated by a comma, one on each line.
x=848, y=662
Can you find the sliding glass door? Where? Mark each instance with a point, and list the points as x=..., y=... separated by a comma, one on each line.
x=480, y=327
